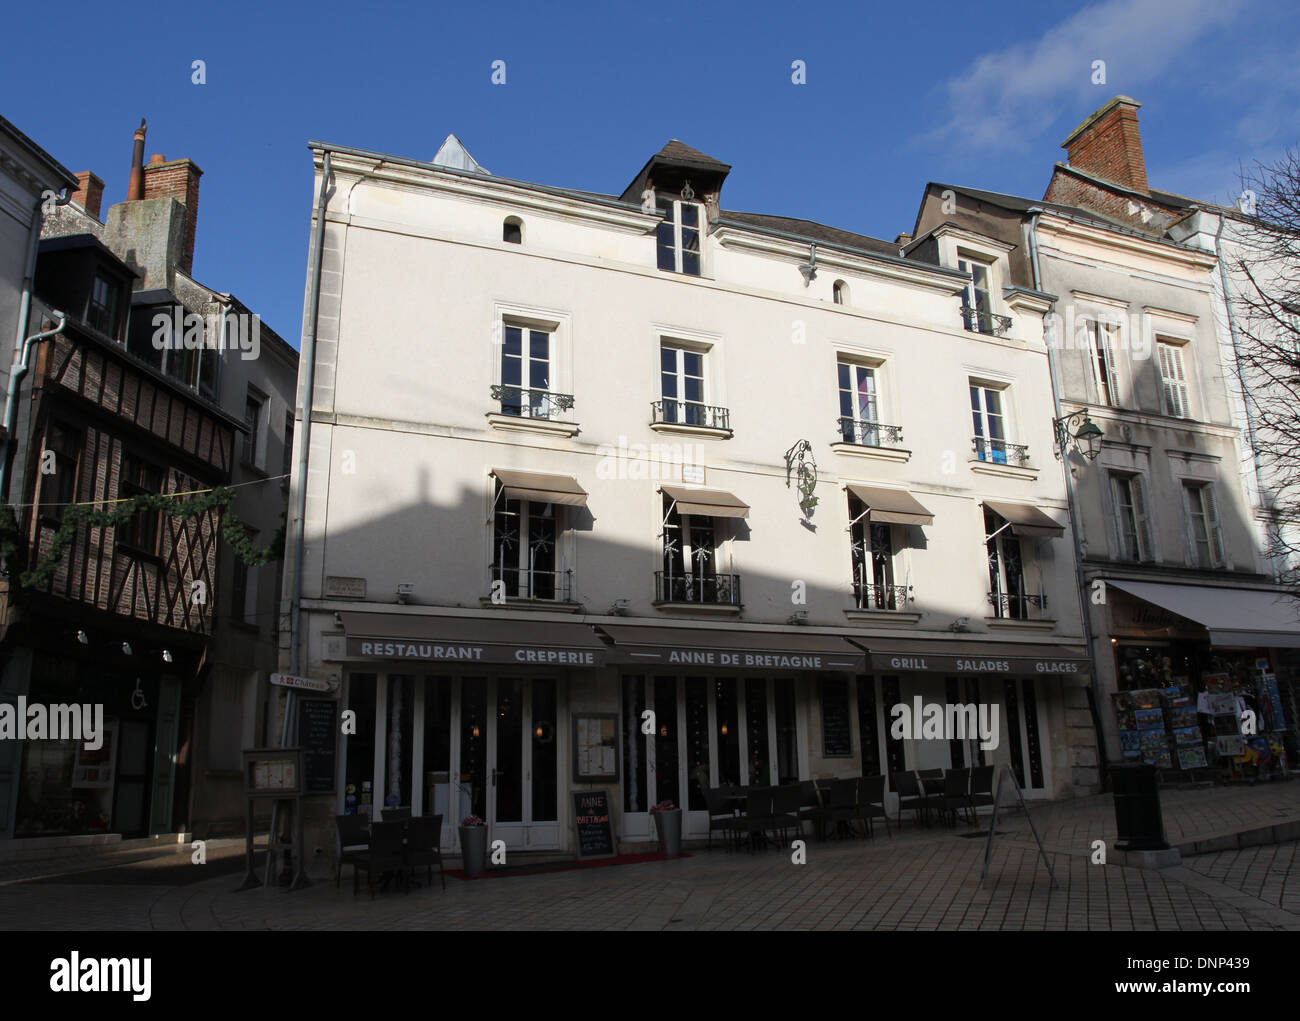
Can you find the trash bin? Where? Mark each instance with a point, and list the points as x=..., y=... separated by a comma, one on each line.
x=1137, y=808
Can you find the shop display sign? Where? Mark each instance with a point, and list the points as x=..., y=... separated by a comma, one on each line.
x=94, y=769
x=1230, y=746
x=594, y=824
x=273, y=772
x=836, y=739
x=595, y=746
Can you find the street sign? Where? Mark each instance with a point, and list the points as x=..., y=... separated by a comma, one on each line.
x=301, y=683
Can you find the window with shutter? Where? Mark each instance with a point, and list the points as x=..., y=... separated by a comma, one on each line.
x=1203, y=525
x=1140, y=516
x=1173, y=379
x=1212, y=525
x=1131, y=516
x=1102, y=336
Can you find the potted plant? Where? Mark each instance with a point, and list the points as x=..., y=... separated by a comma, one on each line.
x=668, y=821
x=473, y=845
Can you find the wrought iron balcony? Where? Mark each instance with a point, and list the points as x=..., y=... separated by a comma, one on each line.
x=689, y=413
x=1018, y=607
x=869, y=434
x=882, y=597
x=524, y=403
x=713, y=589
x=525, y=583
x=978, y=321
x=1001, y=452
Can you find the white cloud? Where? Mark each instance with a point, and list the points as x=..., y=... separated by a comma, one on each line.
x=1006, y=98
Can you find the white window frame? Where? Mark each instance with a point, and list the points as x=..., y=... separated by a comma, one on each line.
x=1207, y=508
x=1138, y=507
x=524, y=568
x=550, y=321
x=1103, y=343
x=862, y=433
x=1173, y=388
x=258, y=459
x=1003, y=390
x=966, y=263
x=680, y=349
x=700, y=225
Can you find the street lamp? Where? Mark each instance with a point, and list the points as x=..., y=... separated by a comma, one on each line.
x=1087, y=441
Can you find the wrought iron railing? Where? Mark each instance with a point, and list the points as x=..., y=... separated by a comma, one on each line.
x=1000, y=451
x=1023, y=606
x=882, y=597
x=524, y=403
x=689, y=413
x=526, y=583
x=978, y=321
x=717, y=589
x=869, y=434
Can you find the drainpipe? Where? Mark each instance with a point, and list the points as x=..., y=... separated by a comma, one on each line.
x=20, y=348
x=1094, y=701
x=16, y=373
x=303, y=440
x=1236, y=358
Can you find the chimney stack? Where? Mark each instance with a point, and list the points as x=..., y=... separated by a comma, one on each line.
x=177, y=179
x=89, y=193
x=1107, y=144
x=135, y=187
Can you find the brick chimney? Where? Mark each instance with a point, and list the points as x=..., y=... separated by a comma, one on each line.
x=1107, y=144
x=177, y=179
x=89, y=193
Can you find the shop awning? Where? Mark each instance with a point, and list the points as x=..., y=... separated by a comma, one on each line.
x=1026, y=520
x=717, y=503
x=752, y=650
x=921, y=656
x=465, y=640
x=891, y=506
x=1249, y=617
x=535, y=486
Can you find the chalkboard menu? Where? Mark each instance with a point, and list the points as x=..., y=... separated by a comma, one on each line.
x=837, y=742
x=595, y=827
x=318, y=720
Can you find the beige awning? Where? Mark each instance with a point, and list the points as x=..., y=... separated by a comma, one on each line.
x=1254, y=618
x=716, y=503
x=891, y=506
x=460, y=640
x=1026, y=520
x=902, y=655
x=535, y=486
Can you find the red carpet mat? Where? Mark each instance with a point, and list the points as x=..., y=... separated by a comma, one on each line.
x=559, y=866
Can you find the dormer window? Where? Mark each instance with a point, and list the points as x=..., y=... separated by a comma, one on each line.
x=678, y=236
x=977, y=304
x=102, y=312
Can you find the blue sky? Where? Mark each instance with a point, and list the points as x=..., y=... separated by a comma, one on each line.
x=896, y=95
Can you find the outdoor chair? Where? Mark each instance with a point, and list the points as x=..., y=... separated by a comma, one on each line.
x=842, y=807
x=956, y=793
x=354, y=838
x=981, y=788
x=785, y=809
x=758, y=814
x=423, y=837
x=385, y=854
x=810, y=803
x=931, y=782
x=911, y=797
x=721, y=813
x=871, y=803
x=396, y=814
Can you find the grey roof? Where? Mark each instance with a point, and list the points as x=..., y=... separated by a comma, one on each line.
x=814, y=230
x=69, y=242
x=58, y=169
x=680, y=152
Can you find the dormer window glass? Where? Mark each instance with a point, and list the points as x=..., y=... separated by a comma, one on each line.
x=678, y=236
x=102, y=310
x=977, y=306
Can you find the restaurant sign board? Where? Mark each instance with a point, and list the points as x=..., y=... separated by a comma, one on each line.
x=472, y=652
x=992, y=664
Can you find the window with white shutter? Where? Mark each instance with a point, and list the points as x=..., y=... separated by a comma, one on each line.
x=1131, y=517
x=1173, y=379
x=1203, y=525
x=1102, y=338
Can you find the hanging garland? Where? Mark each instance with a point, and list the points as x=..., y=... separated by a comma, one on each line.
x=219, y=499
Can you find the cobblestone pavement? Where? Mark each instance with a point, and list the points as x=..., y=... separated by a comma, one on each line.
x=917, y=879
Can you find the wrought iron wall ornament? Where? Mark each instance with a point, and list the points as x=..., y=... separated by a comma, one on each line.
x=799, y=462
